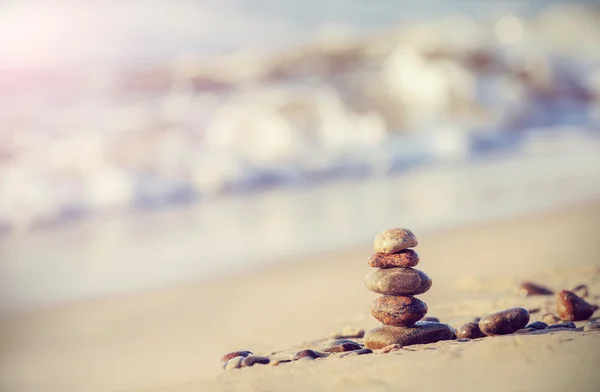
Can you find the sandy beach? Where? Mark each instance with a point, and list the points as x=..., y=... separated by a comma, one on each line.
x=172, y=339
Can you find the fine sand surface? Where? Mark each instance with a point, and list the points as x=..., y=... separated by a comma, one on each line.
x=172, y=339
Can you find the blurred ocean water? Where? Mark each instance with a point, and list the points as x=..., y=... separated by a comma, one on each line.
x=138, y=153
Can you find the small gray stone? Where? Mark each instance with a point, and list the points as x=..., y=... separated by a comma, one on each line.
x=394, y=240
x=308, y=354
x=537, y=325
x=398, y=281
x=470, y=331
x=233, y=363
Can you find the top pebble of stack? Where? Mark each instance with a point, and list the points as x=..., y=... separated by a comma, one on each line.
x=394, y=240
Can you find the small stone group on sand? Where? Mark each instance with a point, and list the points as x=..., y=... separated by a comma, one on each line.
x=403, y=315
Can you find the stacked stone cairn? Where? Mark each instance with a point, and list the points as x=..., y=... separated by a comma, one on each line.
x=398, y=282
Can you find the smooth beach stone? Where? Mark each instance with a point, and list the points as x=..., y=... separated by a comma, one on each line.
x=398, y=311
x=234, y=354
x=233, y=363
x=404, y=258
x=470, y=331
x=528, y=289
x=592, y=326
x=341, y=345
x=566, y=324
x=570, y=307
x=422, y=332
x=306, y=354
x=394, y=240
x=251, y=360
x=504, y=322
x=398, y=281
x=537, y=325
x=362, y=351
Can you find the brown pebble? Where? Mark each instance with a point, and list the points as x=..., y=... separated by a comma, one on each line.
x=592, y=326
x=422, y=332
x=404, y=258
x=566, y=324
x=233, y=363
x=391, y=347
x=251, y=360
x=549, y=319
x=394, y=240
x=470, y=331
x=570, y=307
x=234, y=354
x=398, y=311
x=308, y=353
x=523, y=331
x=432, y=319
x=398, y=281
x=528, y=289
x=537, y=325
x=504, y=322
x=341, y=345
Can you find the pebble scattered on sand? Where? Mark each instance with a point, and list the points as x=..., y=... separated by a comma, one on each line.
x=342, y=345
x=234, y=354
x=592, y=326
x=394, y=240
x=233, y=363
x=421, y=332
x=537, y=325
x=362, y=351
x=404, y=258
x=307, y=353
x=504, y=322
x=571, y=307
x=398, y=281
x=470, y=331
x=398, y=311
x=251, y=360
x=566, y=324
x=528, y=289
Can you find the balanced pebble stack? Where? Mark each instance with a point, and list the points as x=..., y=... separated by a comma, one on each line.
x=398, y=282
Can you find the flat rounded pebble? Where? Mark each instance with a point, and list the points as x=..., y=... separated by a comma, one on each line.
x=362, y=351
x=537, y=325
x=234, y=354
x=404, y=258
x=398, y=311
x=469, y=331
x=567, y=324
x=504, y=322
x=398, y=281
x=422, y=332
x=251, y=360
x=528, y=289
x=394, y=240
x=592, y=326
x=570, y=307
x=233, y=363
x=308, y=353
x=342, y=345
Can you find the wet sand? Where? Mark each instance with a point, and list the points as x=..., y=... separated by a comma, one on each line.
x=171, y=339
